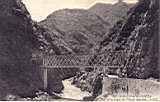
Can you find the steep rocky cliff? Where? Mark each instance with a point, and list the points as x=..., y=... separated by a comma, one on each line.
x=17, y=73
x=138, y=36
x=20, y=40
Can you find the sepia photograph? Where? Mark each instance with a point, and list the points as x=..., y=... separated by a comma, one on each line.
x=80, y=50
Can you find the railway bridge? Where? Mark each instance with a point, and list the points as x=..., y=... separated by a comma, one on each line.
x=104, y=61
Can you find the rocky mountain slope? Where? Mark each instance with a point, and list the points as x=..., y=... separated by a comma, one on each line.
x=138, y=36
x=50, y=42
x=111, y=13
x=80, y=29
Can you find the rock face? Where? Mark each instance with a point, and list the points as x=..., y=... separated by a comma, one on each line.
x=138, y=36
x=17, y=73
x=20, y=40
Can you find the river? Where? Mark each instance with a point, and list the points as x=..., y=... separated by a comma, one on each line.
x=71, y=92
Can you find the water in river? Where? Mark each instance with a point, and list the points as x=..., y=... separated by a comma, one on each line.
x=72, y=92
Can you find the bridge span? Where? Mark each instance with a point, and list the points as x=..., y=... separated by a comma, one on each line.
x=103, y=60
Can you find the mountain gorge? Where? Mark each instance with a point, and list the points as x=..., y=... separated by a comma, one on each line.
x=129, y=28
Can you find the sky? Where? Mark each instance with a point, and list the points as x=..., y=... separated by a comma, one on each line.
x=40, y=9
